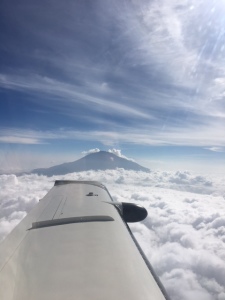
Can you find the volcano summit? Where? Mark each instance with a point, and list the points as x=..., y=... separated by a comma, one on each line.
x=101, y=160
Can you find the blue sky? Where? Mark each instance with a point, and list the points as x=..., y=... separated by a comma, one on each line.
x=147, y=77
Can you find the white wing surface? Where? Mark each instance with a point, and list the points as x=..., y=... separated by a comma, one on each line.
x=74, y=245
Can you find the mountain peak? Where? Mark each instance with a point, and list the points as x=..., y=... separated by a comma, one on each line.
x=101, y=160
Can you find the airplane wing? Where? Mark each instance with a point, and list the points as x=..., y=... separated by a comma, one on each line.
x=75, y=244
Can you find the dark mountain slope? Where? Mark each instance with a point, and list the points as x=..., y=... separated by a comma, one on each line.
x=95, y=161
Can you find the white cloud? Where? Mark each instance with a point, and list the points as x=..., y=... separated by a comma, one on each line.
x=183, y=235
x=19, y=140
x=177, y=136
x=216, y=149
x=91, y=151
x=61, y=92
x=118, y=153
x=25, y=136
x=165, y=43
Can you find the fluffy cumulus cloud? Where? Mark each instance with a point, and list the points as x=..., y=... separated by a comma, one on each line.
x=183, y=235
x=118, y=153
x=90, y=151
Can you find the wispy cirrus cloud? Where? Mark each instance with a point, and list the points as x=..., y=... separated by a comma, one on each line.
x=68, y=95
x=138, y=73
x=20, y=140
x=25, y=136
x=156, y=136
x=216, y=149
x=149, y=61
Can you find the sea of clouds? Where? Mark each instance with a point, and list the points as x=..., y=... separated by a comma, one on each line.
x=183, y=235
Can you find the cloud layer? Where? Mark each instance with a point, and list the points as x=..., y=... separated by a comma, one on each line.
x=183, y=235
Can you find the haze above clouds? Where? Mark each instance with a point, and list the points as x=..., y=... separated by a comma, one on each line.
x=183, y=235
